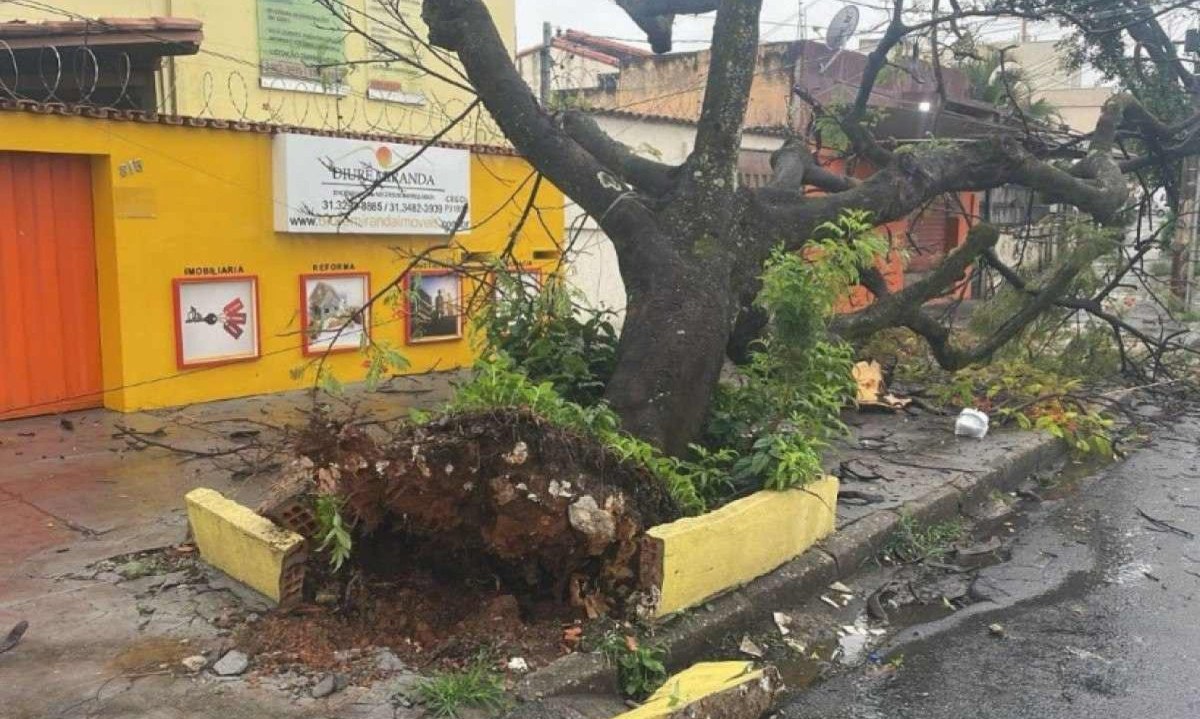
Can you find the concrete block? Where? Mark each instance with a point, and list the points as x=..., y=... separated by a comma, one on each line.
x=248, y=547
x=696, y=558
x=718, y=690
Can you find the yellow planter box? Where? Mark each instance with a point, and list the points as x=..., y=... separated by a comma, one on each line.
x=700, y=689
x=693, y=559
x=248, y=547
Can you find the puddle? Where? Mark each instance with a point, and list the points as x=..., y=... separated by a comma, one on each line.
x=800, y=670
x=151, y=654
x=910, y=615
x=1065, y=482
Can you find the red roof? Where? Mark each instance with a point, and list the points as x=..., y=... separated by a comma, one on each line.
x=170, y=35
x=600, y=49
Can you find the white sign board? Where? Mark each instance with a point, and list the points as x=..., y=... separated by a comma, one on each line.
x=339, y=185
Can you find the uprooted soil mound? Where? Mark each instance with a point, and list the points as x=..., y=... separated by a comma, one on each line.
x=500, y=499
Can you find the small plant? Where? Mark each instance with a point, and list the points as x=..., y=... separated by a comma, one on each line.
x=335, y=537
x=548, y=332
x=640, y=664
x=776, y=422
x=912, y=543
x=478, y=685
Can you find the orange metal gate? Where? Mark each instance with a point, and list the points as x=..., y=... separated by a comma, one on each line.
x=49, y=319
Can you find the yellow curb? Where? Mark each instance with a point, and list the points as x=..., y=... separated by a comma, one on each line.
x=248, y=547
x=725, y=689
x=696, y=558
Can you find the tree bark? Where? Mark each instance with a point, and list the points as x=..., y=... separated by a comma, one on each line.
x=677, y=324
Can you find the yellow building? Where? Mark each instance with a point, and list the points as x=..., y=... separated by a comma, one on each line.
x=150, y=261
x=292, y=62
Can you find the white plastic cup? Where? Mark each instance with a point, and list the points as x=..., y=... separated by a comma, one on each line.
x=971, y=423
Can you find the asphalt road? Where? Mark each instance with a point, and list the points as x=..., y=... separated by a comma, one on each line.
x=1099, y=610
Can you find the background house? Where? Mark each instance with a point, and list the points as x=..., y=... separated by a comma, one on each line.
x=652, y=103
x=275, y=61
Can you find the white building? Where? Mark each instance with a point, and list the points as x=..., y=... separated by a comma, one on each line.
x=592, y=261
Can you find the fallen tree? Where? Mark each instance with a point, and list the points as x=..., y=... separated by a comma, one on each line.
x=692, y=243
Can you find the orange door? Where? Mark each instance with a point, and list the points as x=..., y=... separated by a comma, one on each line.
x=49, y=320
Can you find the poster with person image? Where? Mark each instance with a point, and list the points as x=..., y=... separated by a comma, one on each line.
x=434, y=306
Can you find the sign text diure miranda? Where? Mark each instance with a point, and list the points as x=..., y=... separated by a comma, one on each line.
x=334, y=185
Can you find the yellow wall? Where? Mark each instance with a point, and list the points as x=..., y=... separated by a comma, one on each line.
x=223, y=81
x=204, y=198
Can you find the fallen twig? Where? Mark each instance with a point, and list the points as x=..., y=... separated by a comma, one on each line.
x=1164, y=526
x=14, y=636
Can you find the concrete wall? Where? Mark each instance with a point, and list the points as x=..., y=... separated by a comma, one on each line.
x=570, y=71
x=204, y=198
x=223, y=80
x=1078, y=107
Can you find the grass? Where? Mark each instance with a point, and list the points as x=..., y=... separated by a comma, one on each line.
x=476, y=686
x=913, y=543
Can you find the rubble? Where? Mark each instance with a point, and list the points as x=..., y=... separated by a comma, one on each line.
x=232, y=664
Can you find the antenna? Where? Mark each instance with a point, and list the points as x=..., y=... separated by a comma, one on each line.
x=843, y=25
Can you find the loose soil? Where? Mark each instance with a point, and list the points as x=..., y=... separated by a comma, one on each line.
x=486, y=531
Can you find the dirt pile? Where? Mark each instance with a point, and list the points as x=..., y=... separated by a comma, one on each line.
x=501, y=499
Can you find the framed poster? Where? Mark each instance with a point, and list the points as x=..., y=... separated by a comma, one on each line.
x=332, y=312
x=433, y=305
x=216, y=320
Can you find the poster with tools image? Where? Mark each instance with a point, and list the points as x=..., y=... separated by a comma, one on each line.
x=216, y=320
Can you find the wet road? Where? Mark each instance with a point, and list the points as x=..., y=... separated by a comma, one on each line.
x=1099, y=609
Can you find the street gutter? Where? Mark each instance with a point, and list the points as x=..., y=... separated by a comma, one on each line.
x=687, y=637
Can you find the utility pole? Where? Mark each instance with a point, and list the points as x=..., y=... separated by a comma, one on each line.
x=1187, y=228
x=545, y=64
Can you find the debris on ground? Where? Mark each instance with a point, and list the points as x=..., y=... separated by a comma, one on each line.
x=782, y=622
x=518, y=665
x=13, y=638
x=996, y=630
x=872, y=393
x=232, y=664
x=750, y=649
x=194, y=663
x=327, y=685
x=971, y=423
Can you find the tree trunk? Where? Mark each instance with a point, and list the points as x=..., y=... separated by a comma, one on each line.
x=677, y=325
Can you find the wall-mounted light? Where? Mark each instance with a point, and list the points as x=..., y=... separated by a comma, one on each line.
x=925, y=106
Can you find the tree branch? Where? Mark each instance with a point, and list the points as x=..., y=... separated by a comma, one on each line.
x=794, y=167
x=655, y=178
x=656, y=18
x=466, y=28
x=730, y=76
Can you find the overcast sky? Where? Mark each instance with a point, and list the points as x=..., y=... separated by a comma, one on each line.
x=603, y=17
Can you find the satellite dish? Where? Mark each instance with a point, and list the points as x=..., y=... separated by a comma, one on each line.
x=842, y=27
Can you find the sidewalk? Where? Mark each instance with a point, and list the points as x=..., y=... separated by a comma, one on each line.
x=73, y=492
x=105, y=645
